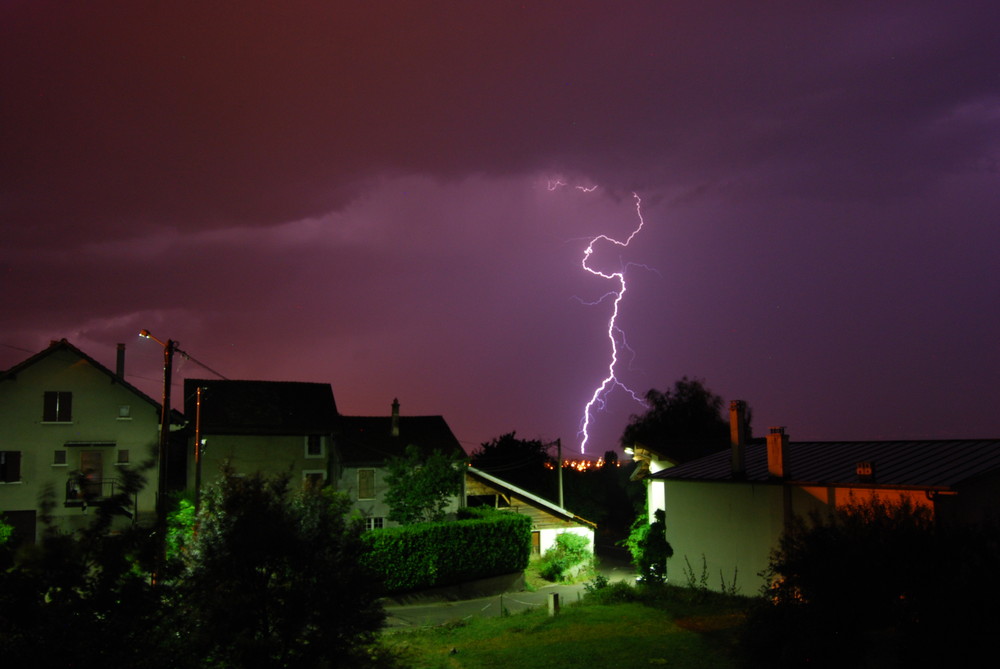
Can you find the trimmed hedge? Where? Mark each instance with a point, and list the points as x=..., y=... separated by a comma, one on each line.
x=427, y=555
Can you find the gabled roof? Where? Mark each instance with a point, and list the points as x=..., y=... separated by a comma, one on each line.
x=261, y=407
x=63, y=345
x=936, y=464
x=367, y=441
x=531, y=498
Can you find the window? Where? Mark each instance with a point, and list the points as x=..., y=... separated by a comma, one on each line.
x=59, y=458
x=124, y=412
x=313, y=478
x=374, y=523
x=314, y=446
x=122, y=456
x=366, y=484
x=10, y=466
x=57, y=407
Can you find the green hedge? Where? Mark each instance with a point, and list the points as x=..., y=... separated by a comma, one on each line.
x=414, y=557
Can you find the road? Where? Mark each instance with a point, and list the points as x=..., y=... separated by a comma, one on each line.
x=438, y=613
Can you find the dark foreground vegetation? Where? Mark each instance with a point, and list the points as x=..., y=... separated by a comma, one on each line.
x=265, y=577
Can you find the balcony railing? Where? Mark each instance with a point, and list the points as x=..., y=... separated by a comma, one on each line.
x=81, y=491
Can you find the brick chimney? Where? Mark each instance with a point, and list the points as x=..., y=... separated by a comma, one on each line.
x=120, y=364
x=738, y=437
x=395, y=417
x=777, y=453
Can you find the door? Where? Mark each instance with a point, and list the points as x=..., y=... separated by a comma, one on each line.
x=92, y=468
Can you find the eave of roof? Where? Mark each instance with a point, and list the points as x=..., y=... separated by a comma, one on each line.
x=64, y=345
x=932, y=464
x=531, y=497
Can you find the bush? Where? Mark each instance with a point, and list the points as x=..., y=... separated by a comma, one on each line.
x=571, y=553
x=275, y=579
x=647, y=543
x=435, y=554
x=879, y=584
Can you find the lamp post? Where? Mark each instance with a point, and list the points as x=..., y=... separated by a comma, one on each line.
x=169, y=347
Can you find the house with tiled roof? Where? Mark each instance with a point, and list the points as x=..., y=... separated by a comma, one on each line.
x=725, y=512
x=366, y=443
x=271, y=427
x=70, y=431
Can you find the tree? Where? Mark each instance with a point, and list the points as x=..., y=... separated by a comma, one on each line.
x=275, y=579
x=647, y=543
x=523, y=462
x=84, y=599
x=877, y=584
x=683, y=423
x=420, y=488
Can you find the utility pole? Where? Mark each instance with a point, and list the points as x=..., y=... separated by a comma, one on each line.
x=197, y=450
x=559, y=453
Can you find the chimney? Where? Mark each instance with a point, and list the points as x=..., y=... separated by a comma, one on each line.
x=395, y=417
x=738, y=437
x=777, y=453
x=120, y=366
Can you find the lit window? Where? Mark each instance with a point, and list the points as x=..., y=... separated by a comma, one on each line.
x=10, y=466
x=57, y=407
x=374, y=523
x=59, y=457
x=366, y=484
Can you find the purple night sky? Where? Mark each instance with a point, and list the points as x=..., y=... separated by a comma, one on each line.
x=356, y=193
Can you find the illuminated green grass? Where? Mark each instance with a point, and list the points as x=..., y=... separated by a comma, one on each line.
x=619, y=636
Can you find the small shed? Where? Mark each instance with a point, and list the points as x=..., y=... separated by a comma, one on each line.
x=547, y=519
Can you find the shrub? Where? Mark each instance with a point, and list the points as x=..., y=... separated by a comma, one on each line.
x=274, y=578
x=571, y=553
x=434, y=554
x=647, y=543
x=876, y=583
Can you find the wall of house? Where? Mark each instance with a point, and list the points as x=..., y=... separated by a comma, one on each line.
x=547, y=536
x=270, y=455
x=727, y=531
x=375, y=508
x=97, y=418
x=736, y=525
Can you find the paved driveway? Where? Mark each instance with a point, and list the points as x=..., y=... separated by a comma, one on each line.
x=439, y=613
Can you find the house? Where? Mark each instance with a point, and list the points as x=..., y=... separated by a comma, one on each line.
x=366, y=443
x=69, y=429
x=271, y=427
x=725, y=512
x=547, y=519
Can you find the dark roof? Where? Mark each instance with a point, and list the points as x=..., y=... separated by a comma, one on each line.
x=63, y=345
x=921, y=464
x=261, y=407
x=368, y=440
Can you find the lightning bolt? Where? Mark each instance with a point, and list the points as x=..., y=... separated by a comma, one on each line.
x=616, y=336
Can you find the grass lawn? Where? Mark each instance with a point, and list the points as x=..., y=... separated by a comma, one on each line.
x=666, y=631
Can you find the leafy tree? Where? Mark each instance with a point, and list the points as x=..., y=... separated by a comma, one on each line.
x=420, y=488
x=877, y=584
x=570, y=551
x=6, y=531
x=683, y=423
x=85, y=599
x=524, y=462
x=648, y=546
x=274, y=579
